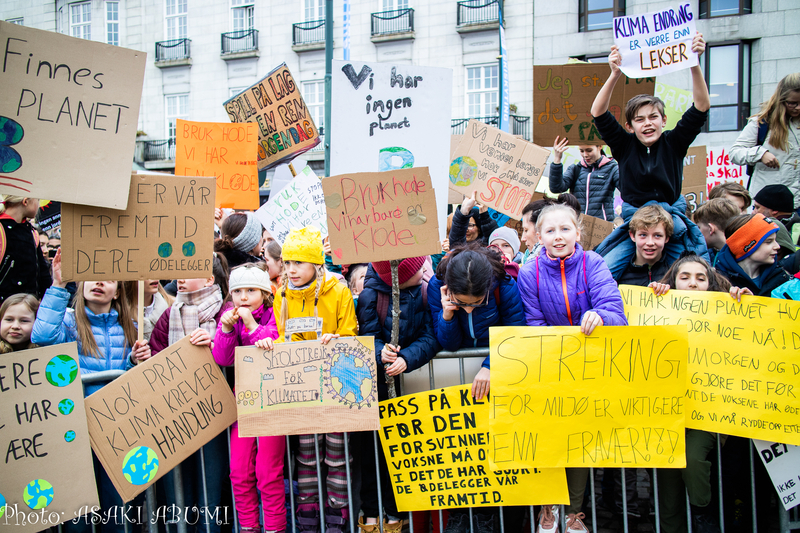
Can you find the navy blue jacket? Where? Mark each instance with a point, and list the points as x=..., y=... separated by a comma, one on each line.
x=771, y=277
x=593, y=185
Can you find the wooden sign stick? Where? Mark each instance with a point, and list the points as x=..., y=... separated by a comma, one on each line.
x=394, y=263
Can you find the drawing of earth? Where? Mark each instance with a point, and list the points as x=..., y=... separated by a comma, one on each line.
x=38, y=494
x=2, y=505
x=66, y=406
x=61, y=370
x=140, y=466
x=351, y=381
x=462, y=171
x=69, y=436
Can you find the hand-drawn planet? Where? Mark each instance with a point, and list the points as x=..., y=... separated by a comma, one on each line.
x=140, y=466
x=164, y=249
x=66, y=406
x=69, y=436
x=350, y=382
x=61, y=370
x=38, y=494
x=2, y=505
x=189, y=249
x=394, y=158
x=11, y=133
x=463, y=171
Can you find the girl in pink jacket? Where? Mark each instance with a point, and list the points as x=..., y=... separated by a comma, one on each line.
x=253, y=468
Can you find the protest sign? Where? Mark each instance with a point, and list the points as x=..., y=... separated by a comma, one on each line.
x=47, y=475
x=656, y=43
x=49, y=216
x=742, y=377
x=694, y=177
x=563, y=96
x=225, y=151
x=390, y=117
x=167, y=232
x=454, y=197
x=676, y=102
x=156, y=415
x=379, y=216
x=307, y=387
x=285, y=127
x=68, y=112
x=436, y=446
x=594, y=230
x=503, y=170
x=612, y=398
x=722, y=170
x=782, y=462
x=299, y=204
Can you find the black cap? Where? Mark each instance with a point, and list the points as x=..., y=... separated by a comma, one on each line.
x=776, y=197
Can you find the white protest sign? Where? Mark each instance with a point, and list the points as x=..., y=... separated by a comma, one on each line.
x=782, y=462
x=300, y=203
x=656, y=43
x=389, y=117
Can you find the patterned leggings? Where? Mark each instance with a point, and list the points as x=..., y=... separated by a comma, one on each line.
x=331, y=451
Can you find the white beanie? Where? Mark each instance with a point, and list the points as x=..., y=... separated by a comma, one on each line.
x=249, y=276
x=508, y=235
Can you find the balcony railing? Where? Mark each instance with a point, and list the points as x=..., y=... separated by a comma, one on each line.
x=239, y=41
x=163, y=150
x=396, y=21
x=308, y=32
x=173, y=50
x=478, y=12
x=519, y=125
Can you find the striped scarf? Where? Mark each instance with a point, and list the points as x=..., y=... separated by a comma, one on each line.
x=193, y=310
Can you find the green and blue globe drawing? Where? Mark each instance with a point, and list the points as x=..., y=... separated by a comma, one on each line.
x=463, y=171
x=140, y=466
x=61, y=370
x=38, y=494
x=351, y=376
x=2, y=505
x=66, y=406
x=69, y=436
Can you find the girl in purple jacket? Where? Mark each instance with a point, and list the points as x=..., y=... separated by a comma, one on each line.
x=253, y=468
x=567, y=286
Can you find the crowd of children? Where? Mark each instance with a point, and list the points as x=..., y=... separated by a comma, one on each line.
x=259, y=288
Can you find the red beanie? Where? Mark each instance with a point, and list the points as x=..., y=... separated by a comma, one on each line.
x=749, y=237
x=405, y=270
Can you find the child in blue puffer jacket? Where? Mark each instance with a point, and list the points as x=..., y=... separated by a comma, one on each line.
x=102, y=326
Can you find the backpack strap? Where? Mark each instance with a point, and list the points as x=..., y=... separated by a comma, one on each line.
x=383, y=306
x=763, y=130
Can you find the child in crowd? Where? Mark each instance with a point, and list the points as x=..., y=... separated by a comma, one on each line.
x=416, y=346
x=777, y=201
x=356, y=277
x=471, y=222
x=156, y=302
x=307, y=290
x=254, y=467
x=17, y=315
x=102, y=326
x=23, y=267
x=592, y=180
x=712, y=218
x=241, y=239
x=530, y=214
x=507, y=240
x=734, y=192
x=566, y=286
x=650, y=230
x=470, y=293
x=274, y=263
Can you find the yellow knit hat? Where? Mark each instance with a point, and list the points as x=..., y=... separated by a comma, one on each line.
x=304, y=245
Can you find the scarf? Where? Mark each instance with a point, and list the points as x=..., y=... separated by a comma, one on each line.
x=193, y=310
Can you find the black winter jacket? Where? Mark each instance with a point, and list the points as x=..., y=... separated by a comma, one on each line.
x=458, y=231
x=643, y=275
x=771, y=277
x=23, y=268
x=593, y=185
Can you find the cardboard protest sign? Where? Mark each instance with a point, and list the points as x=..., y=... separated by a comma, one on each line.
x=47, y=475
x=676, y=102
x=742, y=376
x=612, y=398
x=721, y=170
x=656, y=43
x=69, y=109
x=782, y=462
x=156, y=415
x=379, y=216
x=225, y=151
x=563, y=96
x=694, y=177
x=167, y=232
x=436, y=445
x=299, y=204
x=307, y=387
x=285, y=127
x=390, y=117
x=49, y=216
x=594, y=230
x=502, y=169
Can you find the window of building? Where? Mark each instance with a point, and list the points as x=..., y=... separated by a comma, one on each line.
x=19, y=21
x=314, y=97
x=243, y=12
x=724, y=8
x=80, y=20
x=177, y=107
x=313, y=10
x=727, y=71
x=236, y=90
x=112, y=23
x=177, y=17
x=391, y=5
x=599, y=14
x=482, y=90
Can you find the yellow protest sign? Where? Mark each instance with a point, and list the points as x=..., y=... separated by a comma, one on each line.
x=743, y=376
x=436, y=445
x=562, y=398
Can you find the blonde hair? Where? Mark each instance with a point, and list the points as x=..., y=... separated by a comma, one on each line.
x=10, y=200
x=772, y=114
x=651, y=216
x=29, y=301
x=284, y=316
x=558, y=208
x=84, y=329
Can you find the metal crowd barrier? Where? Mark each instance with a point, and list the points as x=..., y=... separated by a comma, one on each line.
x=786, y=521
